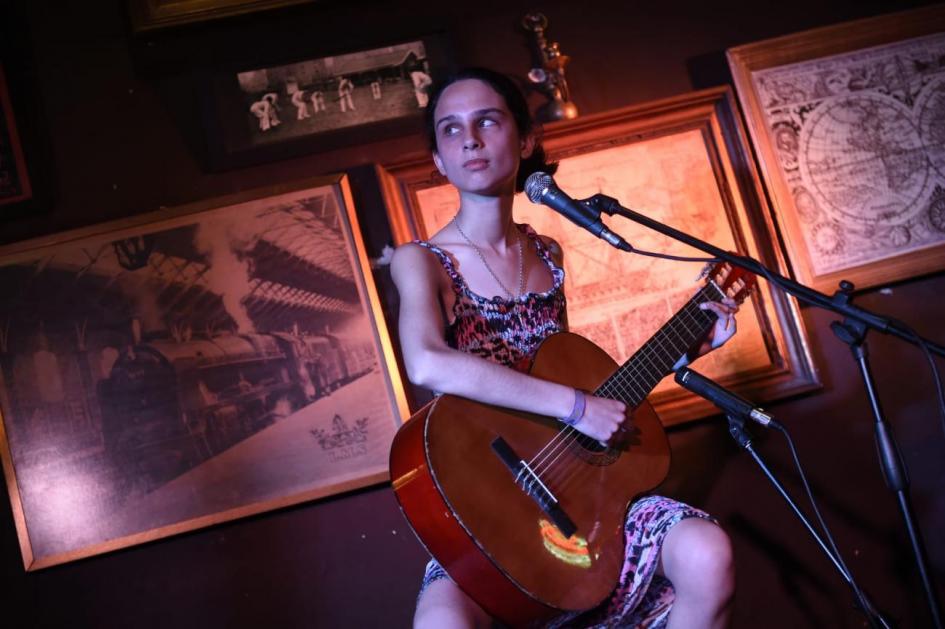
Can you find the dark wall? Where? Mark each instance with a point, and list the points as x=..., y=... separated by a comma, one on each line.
x=119, y=116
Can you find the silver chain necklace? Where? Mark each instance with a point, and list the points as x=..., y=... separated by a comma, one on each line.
x=521, y=262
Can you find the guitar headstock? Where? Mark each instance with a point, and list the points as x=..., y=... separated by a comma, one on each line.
x=733, y=281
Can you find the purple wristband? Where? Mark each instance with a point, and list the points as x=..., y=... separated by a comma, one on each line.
x=580, y=403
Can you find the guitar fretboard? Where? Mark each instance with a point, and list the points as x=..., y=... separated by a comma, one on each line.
x=634, y=380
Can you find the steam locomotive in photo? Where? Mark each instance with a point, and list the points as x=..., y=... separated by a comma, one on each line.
x=168, y=405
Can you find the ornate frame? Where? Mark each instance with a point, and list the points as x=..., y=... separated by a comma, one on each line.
x=844, y=209
x=197, y=365
x=699, y=131
x=150, y=15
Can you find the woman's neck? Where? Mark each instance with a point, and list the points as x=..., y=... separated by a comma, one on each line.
x=487, y=221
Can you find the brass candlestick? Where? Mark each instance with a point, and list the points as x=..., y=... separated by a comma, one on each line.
x=547, y=72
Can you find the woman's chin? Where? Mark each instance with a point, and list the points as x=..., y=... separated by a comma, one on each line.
x=490, y=189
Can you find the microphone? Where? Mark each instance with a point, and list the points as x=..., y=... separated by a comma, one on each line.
x=722, y=397
x=541, y=188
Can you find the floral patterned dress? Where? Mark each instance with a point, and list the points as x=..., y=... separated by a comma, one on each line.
x=508, y=332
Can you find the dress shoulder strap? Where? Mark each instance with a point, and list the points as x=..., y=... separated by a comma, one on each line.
x=446, y=261
x=540, y=247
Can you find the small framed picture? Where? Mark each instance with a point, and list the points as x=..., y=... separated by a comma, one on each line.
x=151, y=15
x=259, y=114
x=15, y=184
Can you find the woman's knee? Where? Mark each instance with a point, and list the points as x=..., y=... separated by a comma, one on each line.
x=443, y=604
x=697, y=556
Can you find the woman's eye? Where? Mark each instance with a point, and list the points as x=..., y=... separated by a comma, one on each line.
x=450, y=129
x=486, y=122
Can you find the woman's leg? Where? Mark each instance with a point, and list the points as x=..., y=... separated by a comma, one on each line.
x=444, y=606
x=697, y=558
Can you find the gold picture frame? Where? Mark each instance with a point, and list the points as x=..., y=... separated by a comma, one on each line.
x=150, y=15
x=191, y=366
x=845, y=121
x=683, y=160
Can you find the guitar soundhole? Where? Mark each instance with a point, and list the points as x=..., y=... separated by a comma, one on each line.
x=591, y=451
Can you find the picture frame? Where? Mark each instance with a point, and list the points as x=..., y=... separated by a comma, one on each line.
x=684, y=161
x=259, y=113
x=195, y=365
x=150, y=15
x=844, y=122
x=15, y=182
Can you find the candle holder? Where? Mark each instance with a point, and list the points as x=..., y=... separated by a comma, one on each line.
x=547, y=72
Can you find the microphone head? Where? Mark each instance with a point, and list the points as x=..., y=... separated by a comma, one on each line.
x=536, y=185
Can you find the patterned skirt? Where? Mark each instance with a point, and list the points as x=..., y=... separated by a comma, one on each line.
x=642, y=598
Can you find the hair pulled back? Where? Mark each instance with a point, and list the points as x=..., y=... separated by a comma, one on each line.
x=514, y=99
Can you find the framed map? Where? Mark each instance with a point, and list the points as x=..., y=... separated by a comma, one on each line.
x=849, y=124
x=195, y=365
x=682, y=161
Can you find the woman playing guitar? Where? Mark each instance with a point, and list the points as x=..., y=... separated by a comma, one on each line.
x=477, y=299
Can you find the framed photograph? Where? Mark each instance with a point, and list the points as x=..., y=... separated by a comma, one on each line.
x=189, y=367
x=15, y=185
x=149, y=15
x=267, y=113
x=684, y=162
x=848, y=123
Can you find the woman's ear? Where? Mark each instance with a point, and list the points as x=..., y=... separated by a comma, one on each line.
x=528, y=145
x=439, y=163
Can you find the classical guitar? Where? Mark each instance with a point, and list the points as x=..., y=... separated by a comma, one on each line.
x=524, y=513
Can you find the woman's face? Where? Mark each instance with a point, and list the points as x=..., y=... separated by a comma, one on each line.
x=478, y=144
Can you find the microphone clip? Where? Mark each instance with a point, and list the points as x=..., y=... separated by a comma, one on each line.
x=602, y=203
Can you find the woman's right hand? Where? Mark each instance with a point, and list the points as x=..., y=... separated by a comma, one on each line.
x=602, y=418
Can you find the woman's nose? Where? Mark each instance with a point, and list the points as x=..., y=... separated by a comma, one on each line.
x=471, y=141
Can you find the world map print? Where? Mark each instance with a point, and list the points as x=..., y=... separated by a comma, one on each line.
x=860, y=141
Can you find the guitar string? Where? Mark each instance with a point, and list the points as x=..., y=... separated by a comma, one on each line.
x=570, y=471
x=698, y=316
x=617, y=384
x=614, y=384
x=566, y=437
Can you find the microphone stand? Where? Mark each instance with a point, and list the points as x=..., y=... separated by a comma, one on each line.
x=857, y=322
x=736, y=428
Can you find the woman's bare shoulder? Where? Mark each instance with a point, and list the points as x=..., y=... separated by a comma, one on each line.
x=413, y=263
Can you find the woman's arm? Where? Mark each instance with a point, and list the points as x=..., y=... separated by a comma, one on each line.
x=431, y=363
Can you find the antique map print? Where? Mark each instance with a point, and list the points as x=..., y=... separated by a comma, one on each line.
x=860, y=142
x=619, y=300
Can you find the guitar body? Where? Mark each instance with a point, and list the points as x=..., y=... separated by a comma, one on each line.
x=495, y=540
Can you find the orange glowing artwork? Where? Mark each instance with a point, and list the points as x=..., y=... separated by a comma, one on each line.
x=682, y=161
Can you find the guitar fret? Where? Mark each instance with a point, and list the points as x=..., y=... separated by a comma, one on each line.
x=634, y=380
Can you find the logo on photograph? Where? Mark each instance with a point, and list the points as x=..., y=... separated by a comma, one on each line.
x=343, y=442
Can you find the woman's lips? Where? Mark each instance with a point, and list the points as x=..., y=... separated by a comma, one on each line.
x=476, y=164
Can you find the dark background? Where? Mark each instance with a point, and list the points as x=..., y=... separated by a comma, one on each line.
x=114, y=128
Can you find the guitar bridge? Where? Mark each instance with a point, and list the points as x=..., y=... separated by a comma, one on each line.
x=531, y=484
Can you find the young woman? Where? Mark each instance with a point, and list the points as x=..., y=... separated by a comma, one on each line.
x=477, y=299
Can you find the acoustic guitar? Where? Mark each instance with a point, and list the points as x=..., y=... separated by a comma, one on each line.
x=524, y=513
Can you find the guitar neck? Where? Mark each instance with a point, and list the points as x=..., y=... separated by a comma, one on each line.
x=637, y=377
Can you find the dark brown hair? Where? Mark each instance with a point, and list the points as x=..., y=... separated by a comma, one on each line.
x=514, y=99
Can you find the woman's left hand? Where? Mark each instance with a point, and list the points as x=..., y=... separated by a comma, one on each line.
x=725, y=326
